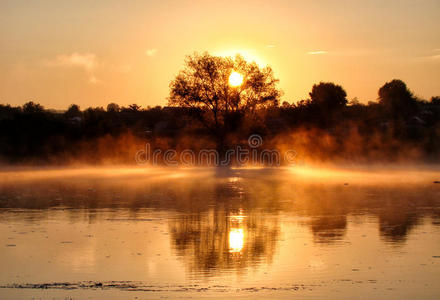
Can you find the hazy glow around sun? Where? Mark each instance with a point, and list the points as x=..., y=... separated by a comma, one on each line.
x=250, y=55
x=235, y=79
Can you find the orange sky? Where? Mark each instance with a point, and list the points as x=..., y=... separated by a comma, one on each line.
x=95, y=52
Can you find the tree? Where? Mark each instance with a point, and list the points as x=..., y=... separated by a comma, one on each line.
x=134, y=107
x=285, y=105
x=113, y=107
x=73, y=111
x=328, y=96
x=31, y=108
x=221, y=90
x=396, y=98
x=435, y=100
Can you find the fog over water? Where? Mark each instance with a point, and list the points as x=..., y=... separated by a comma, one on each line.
x=284, y=232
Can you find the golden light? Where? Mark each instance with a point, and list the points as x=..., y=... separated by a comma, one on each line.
x=235, y=79
x=250, y=55
x=236, y=240
x=236, y=232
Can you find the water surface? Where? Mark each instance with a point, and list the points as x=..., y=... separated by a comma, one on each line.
x=106, y=233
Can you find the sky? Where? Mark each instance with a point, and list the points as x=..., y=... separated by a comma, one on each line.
x=95, y=52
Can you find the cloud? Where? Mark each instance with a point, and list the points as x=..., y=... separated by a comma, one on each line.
x=434, y=57
x=86, y=61
x=317, y=52
x=431, y=57
x=270, y=46
x=151, y=52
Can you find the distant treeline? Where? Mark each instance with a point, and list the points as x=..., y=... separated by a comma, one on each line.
x=396, y=127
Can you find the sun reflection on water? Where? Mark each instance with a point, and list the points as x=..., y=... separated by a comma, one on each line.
x=236, y=233
x=236, y=240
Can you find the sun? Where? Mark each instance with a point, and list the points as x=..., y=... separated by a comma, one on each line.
x=235, y=79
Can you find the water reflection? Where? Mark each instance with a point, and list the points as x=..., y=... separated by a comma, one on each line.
x=328, y=229
x=228, y=221
x=236, y=233
x=395, y=227
x=236, y=240
x=211, y=242
x=229, y=234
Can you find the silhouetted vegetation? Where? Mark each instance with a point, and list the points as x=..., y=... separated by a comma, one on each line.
x=203, y=86
x=206, y=112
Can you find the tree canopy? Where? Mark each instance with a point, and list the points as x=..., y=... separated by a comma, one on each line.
x=204, y=86
x=397, y=98
x=328, y=95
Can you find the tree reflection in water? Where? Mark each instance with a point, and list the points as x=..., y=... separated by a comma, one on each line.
x=231, y=220
x=229, y=235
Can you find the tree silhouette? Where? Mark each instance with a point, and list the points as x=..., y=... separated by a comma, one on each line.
x=73, y=111
x=435, y=100
x=203, y=85
x=134, y=107
x=397, y=99
x=31, y=108
x=113, y=107
x=328, y=96
x=326, y=102
x=398, y=126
